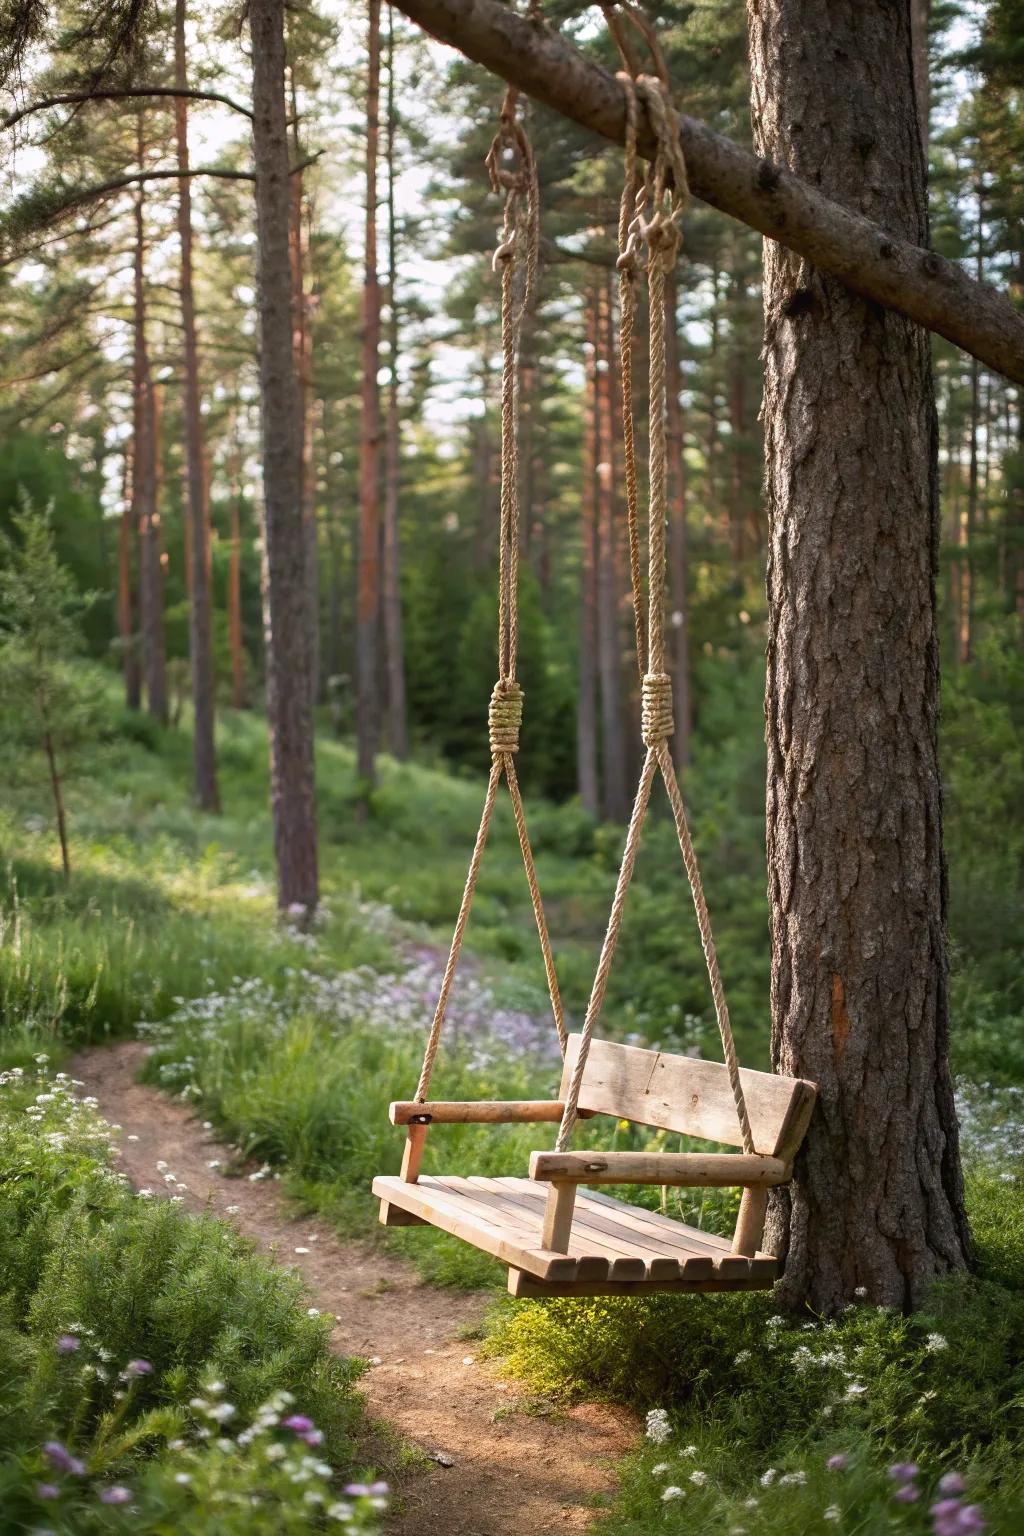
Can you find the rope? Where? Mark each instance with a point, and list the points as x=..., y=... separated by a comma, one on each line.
x=661, y=236
x=517, y=254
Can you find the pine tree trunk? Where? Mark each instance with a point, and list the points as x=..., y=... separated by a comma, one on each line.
x=615, y=794
x=204, y=759
x=586, y=709
x=235, y=642
x=856, y=872
x=302, y=341
x=58, y=801
x=126, y=590
x=145, y=478
x=679, y=604
x=394, y=640
x=920, y=13
x=288, y=620
x=368, y=598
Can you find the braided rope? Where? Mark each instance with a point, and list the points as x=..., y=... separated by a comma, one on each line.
x=518, y=250
x=661, y=235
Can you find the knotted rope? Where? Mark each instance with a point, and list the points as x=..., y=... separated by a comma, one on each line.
x=516, y=257
x=660, y=235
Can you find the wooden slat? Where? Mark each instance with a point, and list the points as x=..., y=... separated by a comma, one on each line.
x=686, y=1094
x=591, y=1224
x=708, y=1242
x=520, y=1200
x=527, y=1286
x=443, y=1210
x=695, y=1170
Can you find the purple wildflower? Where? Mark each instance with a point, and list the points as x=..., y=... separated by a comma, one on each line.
x=299, y=1423
x=47, y=1491
x=972, y=1519
x=838, y=1463
x=951, y=1482
x=115, y=1495
x=907, y=1493
x=67, y=1344
x=313, y=1437
x=138, y=1368
x=903, y=1471
x=379, y=1488
x=357, y=1490
x=61, y=1459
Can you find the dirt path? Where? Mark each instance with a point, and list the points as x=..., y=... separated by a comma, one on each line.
x=512, y=1471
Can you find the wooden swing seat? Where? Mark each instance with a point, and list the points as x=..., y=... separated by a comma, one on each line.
x=558, y=1242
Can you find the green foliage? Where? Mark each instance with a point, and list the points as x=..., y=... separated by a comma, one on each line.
x=149, y=1351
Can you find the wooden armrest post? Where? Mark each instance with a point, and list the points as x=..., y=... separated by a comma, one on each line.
x=558, y=1212
x=415, y=1142
x=750, y=1221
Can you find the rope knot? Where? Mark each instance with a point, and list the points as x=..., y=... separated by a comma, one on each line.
x=504, y=717
x=656, y=708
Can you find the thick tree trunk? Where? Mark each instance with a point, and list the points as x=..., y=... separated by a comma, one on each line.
x=204, y=751
x=289, y=657
x=368, y=599
x=394, y=639
x=586, y=707
x=679, y=604
x=146, y=513
x=920, y=13
x=615, y=793
x=857, y=881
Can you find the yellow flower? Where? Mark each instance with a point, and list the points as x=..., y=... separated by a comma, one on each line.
x=623, y=1125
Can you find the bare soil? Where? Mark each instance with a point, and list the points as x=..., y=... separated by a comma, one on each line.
x=513, y=1470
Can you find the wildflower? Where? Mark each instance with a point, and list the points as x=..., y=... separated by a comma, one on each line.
x=903, y=1471
x=698, y=1479
x=145, y=1194
x=275, y=1452
x=313, y=1437
x=340, y=1512
x=972, y=1519
x=660, y=1469
x=856, y=1389
x=215, y=1388
x=672, y=1492
x=115, y=1495
x=793, y=1479
x=138, y=1368
x=951, y=1482
x=688, y=1450
x=222, y=1412
x=936, y=1343
x=299, y=1423
x=742, y=1357
x=833, y=1513
x=310, y=1311
x=908, y=1493
x=183, y=1478
x=47, y=1491
x=838, y=1463
x=357, y=1490
x=767, y=1478
x=67, y=1344
x=61, y=1459
x=861, y=1292
x=658, y=1426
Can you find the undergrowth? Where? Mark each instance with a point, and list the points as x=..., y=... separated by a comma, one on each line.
x=155, y=1373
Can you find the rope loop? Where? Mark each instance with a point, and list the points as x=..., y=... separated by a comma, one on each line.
x=504, y=717
x=657, y=723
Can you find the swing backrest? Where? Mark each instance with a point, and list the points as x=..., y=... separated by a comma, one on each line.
x=687, y=1094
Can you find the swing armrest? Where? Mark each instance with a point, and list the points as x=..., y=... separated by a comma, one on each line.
x=476, y=1112
x=719, y=1170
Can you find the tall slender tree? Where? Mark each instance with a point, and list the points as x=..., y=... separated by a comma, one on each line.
x=368, y=597
x=287, y=615
x=204, y=752
x=145, y=474
x=858, y=894
x=391, y=595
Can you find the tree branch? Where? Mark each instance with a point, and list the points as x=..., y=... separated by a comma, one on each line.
x=934, y=292
x=69, y=98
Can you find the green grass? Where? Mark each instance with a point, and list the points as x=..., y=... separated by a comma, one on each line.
x=149, y=1358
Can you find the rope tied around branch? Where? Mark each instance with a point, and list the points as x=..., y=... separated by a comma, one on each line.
x=664, y=190
x=513, y=173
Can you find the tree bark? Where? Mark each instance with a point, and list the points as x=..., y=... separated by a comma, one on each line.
x=866, y=255
x=615, y=793
x=394, y=639
x=856, y=870
x=144, y=480
x=679, y=602
x=235, y=643
x=126, y=591
x=920, y=15
x=288, y=659
x=302, y=341
x=204, y=751
x=58, y=801
x=586, y=706
x=368, y=601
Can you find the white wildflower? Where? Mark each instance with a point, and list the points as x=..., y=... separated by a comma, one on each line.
x=672, y=1492
x=833, y=1513
x=698, y=1479
x=792, y=1479
x=767, y=1478
x=658, y=1427
x=936, y=1343
x=660, y=1469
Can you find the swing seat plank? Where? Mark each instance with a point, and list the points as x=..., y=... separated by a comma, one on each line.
x=613, y=1248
